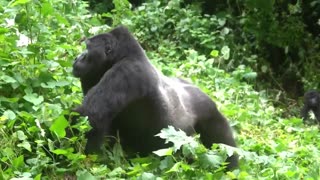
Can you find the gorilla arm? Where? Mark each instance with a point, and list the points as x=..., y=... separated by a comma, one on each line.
x=117, y=88
x=124, y=83
x=304, y=112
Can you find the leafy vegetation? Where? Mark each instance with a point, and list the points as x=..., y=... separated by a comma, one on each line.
x=40, y=39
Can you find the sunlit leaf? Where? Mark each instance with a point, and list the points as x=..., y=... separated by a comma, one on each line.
x=38, y=177
x=59, y=126
x=164, y=152
x=47, y=8
x=33, y=98
x=3, y=119
x=60, y=151
x=19, y=2
x=178, y=138
x=225, y=51
x=21, y=135
x=9, y=114
x=26, y=145
x=147, y=176
x=214, y=53
x=222, y=21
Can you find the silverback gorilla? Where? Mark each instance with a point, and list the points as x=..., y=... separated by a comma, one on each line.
x=124, y=93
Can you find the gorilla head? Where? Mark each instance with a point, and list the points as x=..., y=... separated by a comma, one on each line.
x=125, y=94
x=312, y=98
x=102, y=52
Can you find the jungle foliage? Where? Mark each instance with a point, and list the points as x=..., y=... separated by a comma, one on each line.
x=249, y=56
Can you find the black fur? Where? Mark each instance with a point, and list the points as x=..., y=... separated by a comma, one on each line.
x=311, y=103
x=125, y=93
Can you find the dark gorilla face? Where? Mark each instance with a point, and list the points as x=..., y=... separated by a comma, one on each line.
x=97, y=58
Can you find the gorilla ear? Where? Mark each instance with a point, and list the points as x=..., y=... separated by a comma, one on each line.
x=107, y=49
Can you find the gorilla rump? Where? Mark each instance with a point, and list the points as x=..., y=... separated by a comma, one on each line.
x=125, y=93
x=311, y=103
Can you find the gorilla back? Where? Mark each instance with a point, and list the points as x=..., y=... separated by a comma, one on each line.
x=125, y=93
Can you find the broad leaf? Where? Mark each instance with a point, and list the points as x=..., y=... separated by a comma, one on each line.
x=59, y=126
x=33, y=98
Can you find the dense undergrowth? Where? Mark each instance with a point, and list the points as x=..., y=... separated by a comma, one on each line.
x=40, y=39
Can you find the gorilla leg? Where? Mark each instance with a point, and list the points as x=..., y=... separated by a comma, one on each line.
x=217, y=130
x=94, y=141
x=306, y=109
x=304, y=113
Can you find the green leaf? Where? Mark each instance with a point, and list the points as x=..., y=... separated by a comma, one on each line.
x=18, y=162
x=225, y=31
x=225, y=51
x=3, y=119
x=59, y=126
x=62, y=20
x=264, y=68
x=210, y=160
x=166, y=163
x=7, y=79
x=53, y=84
x=2, y=31
x=178, y=138
x=60, y=151
x=26, y=145
x=175, y=167
x=250, y=75
x=46, y=8
x=85, y=175
x=164, y=152
x=33, y=98
x=38, y=177
x=222, y=21
x=214, y=53
x=19, y=2
x=116, y=172
x=9, y=114
x=147, y=176
x=228, y=149
x=21, y=136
